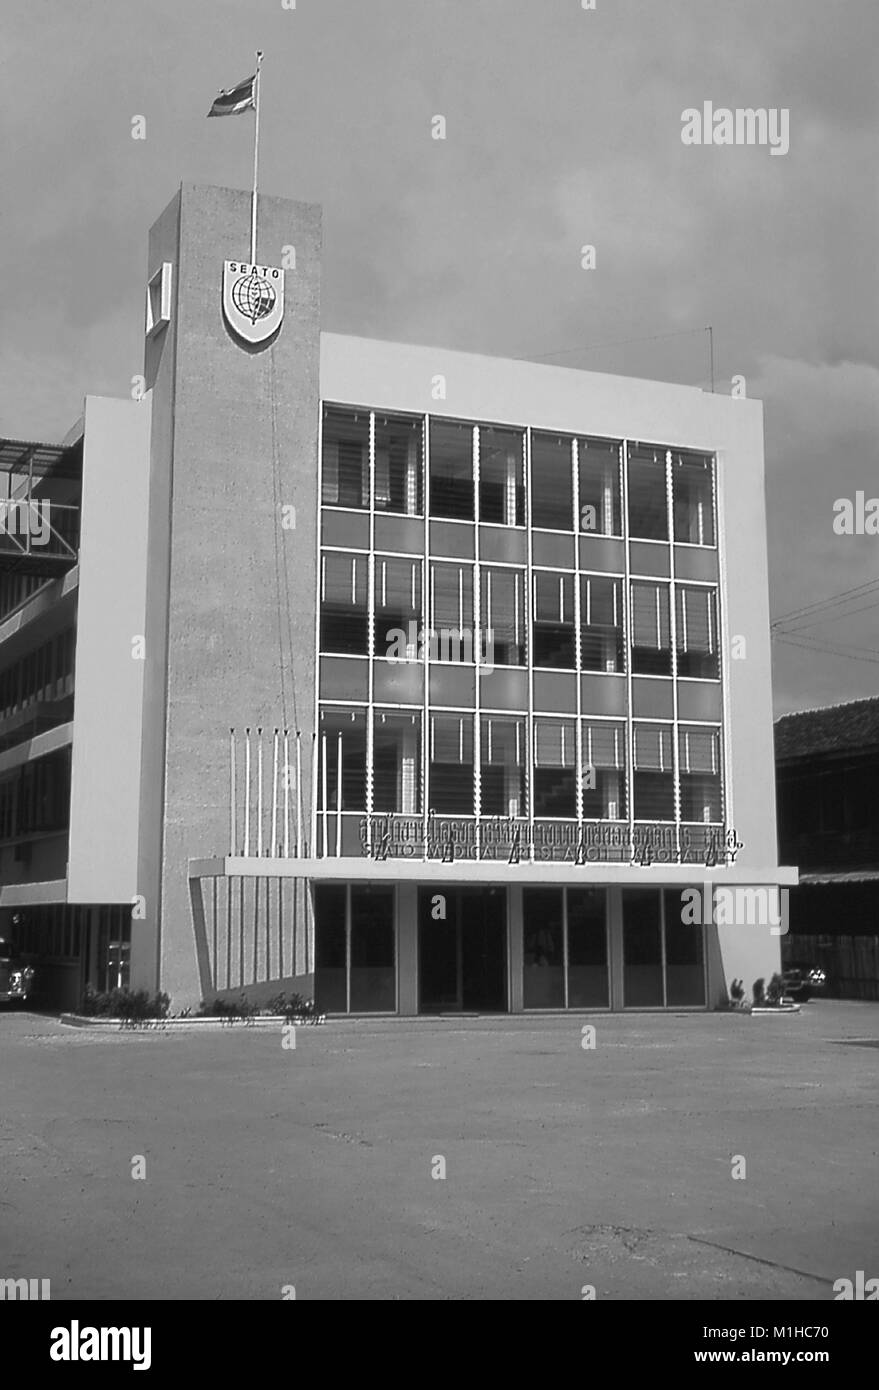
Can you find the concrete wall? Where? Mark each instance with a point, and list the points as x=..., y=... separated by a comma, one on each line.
x=105, y=773
x=231, y=595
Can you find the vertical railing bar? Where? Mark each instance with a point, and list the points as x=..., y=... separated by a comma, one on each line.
x=232, y=827
x=325, y=798
x=287, y=793
x=298, y=796
x=273, y=849
x=246, y=792
x=338, y=795
x=259, y=793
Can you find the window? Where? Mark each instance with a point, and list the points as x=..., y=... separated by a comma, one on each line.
x=653, y=780
x=399, y=464
x=502, y=602
x=344, y=623
x=684, y=954
x=345, y=456
x=502, y=476
x=355, y=958
x=372, y=986
x=330, y=948
x=553, y=642
x=451, y=764
x=696, y=633
x=37, y=797
x=699, y=762
x=396, y=762
x=552, y=491
x=599, y=502
x=503, y=760
x=587, y=948
x=692, y=481
x=663, y=957
x=397, y=606
x=648, y=512
x=543, y=948
x=601, y=623
x=555, y=784
x=564, y=948
x=342, y=742
x=451, y=470
x=451, y=622
x=604, y=770
x=651, y=640
x=643, y=976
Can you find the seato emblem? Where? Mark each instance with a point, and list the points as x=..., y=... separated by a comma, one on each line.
x=253, y=300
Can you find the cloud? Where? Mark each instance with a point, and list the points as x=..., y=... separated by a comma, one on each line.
x=563, y=130
x=822, y=426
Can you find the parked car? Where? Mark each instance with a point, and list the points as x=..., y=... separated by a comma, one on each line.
x=16, y=976
x=802, y=980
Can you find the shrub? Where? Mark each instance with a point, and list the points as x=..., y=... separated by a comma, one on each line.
x=228, y=1008
x=291, y=1006
x=129, y=1004
x=737, y=991
x=758, y=990
x=775, y=991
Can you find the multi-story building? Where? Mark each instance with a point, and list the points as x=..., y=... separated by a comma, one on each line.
x=491, y=637
x=70, y=696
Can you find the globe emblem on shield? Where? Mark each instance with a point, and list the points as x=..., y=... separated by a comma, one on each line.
x=253, y=297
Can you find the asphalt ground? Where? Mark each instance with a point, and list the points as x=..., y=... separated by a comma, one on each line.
x=320, y=1166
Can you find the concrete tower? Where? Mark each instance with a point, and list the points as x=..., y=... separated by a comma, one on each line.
x=230, y=610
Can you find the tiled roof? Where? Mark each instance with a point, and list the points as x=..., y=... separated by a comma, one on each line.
x=834, y=729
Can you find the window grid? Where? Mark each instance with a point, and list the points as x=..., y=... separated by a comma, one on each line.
x=480, y=567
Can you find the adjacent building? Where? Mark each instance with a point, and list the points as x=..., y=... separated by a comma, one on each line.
x=416, y=680
x=827, y=766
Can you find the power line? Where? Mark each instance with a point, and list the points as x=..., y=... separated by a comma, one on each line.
x=859, y=590
x=813, y=644
x=823, y=617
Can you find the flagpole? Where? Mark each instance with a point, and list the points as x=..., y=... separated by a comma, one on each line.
x=255, y=160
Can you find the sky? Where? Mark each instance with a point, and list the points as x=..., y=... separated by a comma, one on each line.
x=563, y=129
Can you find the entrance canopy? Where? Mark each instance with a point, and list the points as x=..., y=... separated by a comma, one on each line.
x=472, y=871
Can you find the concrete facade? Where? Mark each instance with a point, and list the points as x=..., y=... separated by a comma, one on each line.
x=234, y=431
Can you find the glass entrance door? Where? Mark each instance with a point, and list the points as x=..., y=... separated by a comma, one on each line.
x=439, y=975
x=663, y=956
x=462, y=950
x=355, y=953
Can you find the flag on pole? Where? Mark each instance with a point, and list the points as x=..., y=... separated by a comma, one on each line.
x=241, y=97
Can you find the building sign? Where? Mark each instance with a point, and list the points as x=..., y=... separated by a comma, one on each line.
x=253, y=300
x=448, y=840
